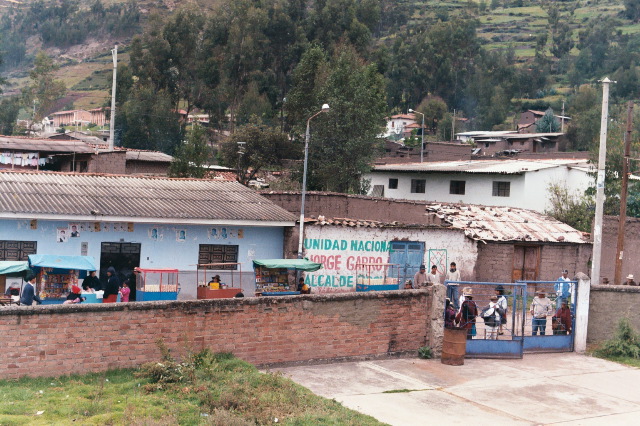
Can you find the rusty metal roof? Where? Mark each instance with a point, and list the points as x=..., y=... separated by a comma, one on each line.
x=68, y=196
x=487, y=223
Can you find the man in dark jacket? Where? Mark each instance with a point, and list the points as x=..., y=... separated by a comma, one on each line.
x=92, y=282
x=29, y=291
x=112, y=287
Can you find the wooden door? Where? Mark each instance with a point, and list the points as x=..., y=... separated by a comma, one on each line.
x=525, y=263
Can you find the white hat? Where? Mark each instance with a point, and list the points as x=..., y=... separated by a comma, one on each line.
x=630, y=276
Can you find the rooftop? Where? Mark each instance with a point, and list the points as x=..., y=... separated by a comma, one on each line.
x=52, y=146
x=68, y=196
x=511, y=166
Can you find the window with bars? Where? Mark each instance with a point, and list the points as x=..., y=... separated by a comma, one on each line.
x=457, y=187
x=218, y=253
x=418, y=186
x=501, y=189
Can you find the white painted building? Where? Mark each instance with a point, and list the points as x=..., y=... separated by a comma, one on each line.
x=396, y=124
x=510, y=183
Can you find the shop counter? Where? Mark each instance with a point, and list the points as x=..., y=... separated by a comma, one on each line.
x=223, y=293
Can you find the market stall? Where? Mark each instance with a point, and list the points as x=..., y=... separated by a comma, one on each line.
x=219, y=280
x=276, y=277
x=56, y=274
x=11, y=273
x=377, y=276
x=157, y=284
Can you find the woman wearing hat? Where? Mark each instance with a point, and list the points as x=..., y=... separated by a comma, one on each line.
x=468, y=312
x=74, y=296
x=541, y=307
x=502, y=303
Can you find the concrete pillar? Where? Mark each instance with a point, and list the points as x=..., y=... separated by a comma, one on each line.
x=436, y=318
x=582, y=312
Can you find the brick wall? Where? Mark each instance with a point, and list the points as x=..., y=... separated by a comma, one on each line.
x=54, y=340
x=155, y=168
x=495, y=262
x=631, y=253
x=607, y=304
x=109, y=162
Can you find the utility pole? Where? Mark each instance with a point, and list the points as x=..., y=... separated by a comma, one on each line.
x=112, y=124
x=602, y=158
x=562, y=119
x=453, y=126
x=622, y=219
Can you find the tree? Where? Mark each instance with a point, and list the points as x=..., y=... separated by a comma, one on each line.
x=433, y=108
x=632, y=9
x=584, y=127
x=576, y=210
x=264, y=147
x=191, y=155
x=548, y=123
x=44, y=89
x=345, y=140
x=9, y=109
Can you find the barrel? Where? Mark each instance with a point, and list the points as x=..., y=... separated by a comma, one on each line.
x=454, y=346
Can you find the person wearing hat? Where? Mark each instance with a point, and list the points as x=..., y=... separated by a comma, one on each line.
x=420, y=278
x=541, y=307
x=29, y=295
x=563, y=319
x=502, y=303
x=492, y=315
x=113, y=286
x=453, y=275
x=562, y=287
x=466, y=316
x=74, y=296
x=629, y=280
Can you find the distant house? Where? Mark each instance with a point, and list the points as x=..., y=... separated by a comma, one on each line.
x=71, y=118
x=527, y=122
x=124, y=161
x=396, y=124
x=490, y=143
x=100, y=116
x=19, y=153
x=434, y=151
x=511, y=183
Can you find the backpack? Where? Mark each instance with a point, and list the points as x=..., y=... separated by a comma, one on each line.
x=489, y=316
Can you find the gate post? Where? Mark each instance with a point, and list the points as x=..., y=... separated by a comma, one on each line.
x=582, y=312
x=436, y=318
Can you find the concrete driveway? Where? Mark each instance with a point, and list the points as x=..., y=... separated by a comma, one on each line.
x=566, y=389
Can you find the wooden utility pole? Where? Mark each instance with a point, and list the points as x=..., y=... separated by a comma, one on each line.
x=622, y=218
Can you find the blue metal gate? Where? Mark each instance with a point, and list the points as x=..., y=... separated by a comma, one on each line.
x=549, y=334
x=487, y=342
x=409, y=256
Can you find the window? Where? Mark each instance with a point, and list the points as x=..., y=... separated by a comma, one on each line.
x=393, y=183
x=501, y=189
x=457, y=187
x=218, y=253
x=17, y=250
x=79, y=166
x=418, y=186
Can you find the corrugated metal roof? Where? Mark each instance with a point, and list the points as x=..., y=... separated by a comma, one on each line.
x=485, y=223
x=512, y=166
x=66, y=194
x=148, y=156
x=43, y=145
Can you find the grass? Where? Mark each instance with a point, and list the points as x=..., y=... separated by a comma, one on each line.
x=207, y=388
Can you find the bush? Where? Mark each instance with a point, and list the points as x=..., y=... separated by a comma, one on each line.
x=425, y=352
x=625, y=343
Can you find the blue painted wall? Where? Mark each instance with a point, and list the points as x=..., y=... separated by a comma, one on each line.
x=165, y=251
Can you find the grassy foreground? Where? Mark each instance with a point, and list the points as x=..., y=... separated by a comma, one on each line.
x=207, y=388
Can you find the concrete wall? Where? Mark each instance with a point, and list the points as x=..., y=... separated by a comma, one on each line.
x=631, y=254
x=164, y=250
x=609, y=303
x=50, y=340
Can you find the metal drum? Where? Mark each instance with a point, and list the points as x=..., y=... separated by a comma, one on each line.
x=454, y=346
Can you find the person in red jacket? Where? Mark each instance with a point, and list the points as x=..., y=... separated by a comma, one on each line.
x=563, y=319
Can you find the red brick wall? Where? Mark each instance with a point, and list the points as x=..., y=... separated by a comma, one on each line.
x=63, y=339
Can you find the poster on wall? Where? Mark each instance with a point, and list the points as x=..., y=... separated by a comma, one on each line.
x=61, y=235
x=74, y=230
x=224, y=233
x=155, y=234
x=181, y=235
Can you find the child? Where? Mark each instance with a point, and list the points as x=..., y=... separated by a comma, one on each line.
x=74, y=296
x=449, y=315
x=124, y=292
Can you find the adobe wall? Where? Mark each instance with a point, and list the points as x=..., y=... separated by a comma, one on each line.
x=53, y=340
x=109, y=162
x=155, y=168
x=607, y=304
x=630, y=264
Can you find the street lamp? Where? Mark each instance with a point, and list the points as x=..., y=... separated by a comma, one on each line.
x=421, y=131
x=325, y=108
x=241, y=147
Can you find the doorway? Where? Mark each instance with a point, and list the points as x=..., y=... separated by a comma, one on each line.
x=526, y=261
x=123, y=257
x=409, y=256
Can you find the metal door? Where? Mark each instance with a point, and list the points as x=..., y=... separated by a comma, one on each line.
x=409, y=256
x=550, y=335
x=509, y=344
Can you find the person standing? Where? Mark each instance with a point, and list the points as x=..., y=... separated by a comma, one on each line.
x=562, y=288
x=466, y=317
x=564, y=319
x=124, y=292
x=449, y=314
x=492, y=316
x=113, y=286
x=132, y=282
x=434, y=276
x=420, y=278
x=502, y=302
x=452, y=287
x=29, y=295
x=541, y=307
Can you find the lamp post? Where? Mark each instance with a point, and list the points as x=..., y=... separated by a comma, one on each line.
x=241, y=146
x=325, y=108
x=421, y=131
